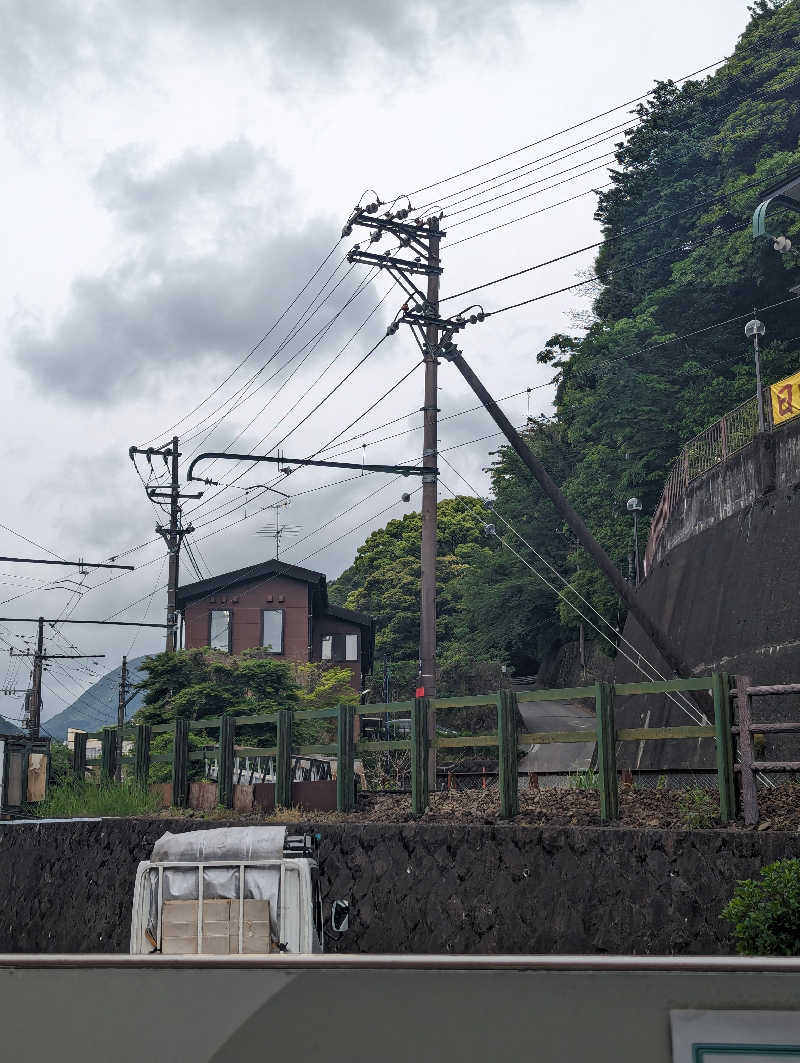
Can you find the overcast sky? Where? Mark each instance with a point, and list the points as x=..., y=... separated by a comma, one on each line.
x=175, y=172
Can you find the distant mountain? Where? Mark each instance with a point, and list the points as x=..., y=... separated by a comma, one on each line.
x=97, y=706
x=8, y=728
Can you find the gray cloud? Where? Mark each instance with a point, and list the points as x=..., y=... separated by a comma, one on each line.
x=46, y=46
x=171, y=303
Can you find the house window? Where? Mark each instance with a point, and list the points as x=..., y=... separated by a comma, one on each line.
x=272, y=630
x=219, y=635
x=340, y=647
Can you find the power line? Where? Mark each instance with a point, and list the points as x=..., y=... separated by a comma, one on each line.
x=560, y=132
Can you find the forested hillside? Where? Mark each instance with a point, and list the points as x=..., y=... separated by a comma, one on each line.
x=653, y=366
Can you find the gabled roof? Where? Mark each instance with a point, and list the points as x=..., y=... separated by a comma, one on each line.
x=189, y=592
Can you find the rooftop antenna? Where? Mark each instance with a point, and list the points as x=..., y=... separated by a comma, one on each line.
x=276, y=530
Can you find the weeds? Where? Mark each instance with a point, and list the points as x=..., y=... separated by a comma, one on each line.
x=698, y=808
x=73, y=798
x=584, y=780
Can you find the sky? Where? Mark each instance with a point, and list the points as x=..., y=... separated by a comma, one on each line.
x=176, y=172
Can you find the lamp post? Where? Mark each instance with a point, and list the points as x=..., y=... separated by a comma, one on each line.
x=754, y=329
x=635, y=507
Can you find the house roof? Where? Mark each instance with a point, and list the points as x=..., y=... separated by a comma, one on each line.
x=190, y=592
x=340, y=613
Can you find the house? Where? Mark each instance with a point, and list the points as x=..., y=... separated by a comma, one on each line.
x=282, y=608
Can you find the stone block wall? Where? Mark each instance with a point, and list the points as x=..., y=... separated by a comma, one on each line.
x=416, y=888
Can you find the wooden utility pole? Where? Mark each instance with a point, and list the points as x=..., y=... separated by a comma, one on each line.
x=427, y=626
x=123, y=691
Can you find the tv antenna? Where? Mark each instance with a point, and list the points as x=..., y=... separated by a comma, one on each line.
x=275, y=530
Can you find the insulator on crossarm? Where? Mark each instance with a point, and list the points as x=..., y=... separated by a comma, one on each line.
x=371, y=208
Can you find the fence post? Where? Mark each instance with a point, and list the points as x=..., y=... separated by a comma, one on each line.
x=79, y=756
x=180, y=763
x=227, y=734
x=720, y=688
x=143, y=735
x=749, y=794
x=108, y=748
x=607, y=752
x=283, y=764
x=345, y=755
x=507, y=731
x=419, y=756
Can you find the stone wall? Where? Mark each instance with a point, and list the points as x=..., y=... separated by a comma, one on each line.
x=67, y=887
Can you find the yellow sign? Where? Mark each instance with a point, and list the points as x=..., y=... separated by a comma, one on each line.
x=785, y=399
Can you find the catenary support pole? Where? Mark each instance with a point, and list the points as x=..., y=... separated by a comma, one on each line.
x=121, y=702
x=662, y=642
x=427, y=630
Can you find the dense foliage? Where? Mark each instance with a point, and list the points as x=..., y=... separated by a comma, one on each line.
x=204, y=683
x=765, y=912
x=652, y=367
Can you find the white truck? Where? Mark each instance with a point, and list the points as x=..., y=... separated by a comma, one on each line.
x=230, y=890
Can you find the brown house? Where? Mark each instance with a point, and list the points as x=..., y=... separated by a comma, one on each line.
x=282, y=608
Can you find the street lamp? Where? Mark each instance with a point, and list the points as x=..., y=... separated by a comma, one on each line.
x=635, y=507
x=754, y=329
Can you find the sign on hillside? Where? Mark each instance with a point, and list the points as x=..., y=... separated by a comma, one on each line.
x=785, y=397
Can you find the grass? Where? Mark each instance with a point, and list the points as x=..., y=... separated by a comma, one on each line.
x=73, y=798
x=699, y=809
x=584, y=780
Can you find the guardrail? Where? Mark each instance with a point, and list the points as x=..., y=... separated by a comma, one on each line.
x=507, y=740
x=733, y=431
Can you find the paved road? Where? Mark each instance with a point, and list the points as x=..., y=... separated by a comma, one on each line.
x=557, y=716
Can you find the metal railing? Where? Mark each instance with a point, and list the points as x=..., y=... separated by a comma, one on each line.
x=733, y=431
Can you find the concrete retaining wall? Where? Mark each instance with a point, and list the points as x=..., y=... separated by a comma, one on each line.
x=416, y=888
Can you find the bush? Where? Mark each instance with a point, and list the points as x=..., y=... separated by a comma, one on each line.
x=766, y=912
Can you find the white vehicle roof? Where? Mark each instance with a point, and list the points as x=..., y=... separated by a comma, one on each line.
x=241, y=844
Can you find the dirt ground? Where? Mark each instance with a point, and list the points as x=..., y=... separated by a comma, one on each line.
x=665, y=809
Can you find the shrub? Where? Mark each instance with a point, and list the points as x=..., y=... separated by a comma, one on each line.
x=766, y=912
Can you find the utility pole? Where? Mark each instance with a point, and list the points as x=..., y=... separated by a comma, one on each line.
x=33, y=698
x=660, y=639
x=420, y=239
x=172, y=534
x=427, y=620
x=123, y=691
x=35, y=718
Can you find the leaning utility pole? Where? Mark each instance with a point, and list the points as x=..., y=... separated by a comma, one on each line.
x=420, y=239
x=174, y=533
x=660, y=639
x=123, y=690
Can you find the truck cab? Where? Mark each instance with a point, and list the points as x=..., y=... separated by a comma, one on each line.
x=229, y=890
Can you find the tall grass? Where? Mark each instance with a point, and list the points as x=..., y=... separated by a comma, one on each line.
x=73, y=798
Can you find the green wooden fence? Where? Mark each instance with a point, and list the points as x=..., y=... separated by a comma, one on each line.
x=507, y=740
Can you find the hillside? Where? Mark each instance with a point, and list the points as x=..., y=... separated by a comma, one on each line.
x=97, y=706
x=661, y=354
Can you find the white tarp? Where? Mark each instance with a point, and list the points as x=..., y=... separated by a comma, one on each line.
x=240, y=844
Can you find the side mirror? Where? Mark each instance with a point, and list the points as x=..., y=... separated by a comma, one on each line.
x=340, y=916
